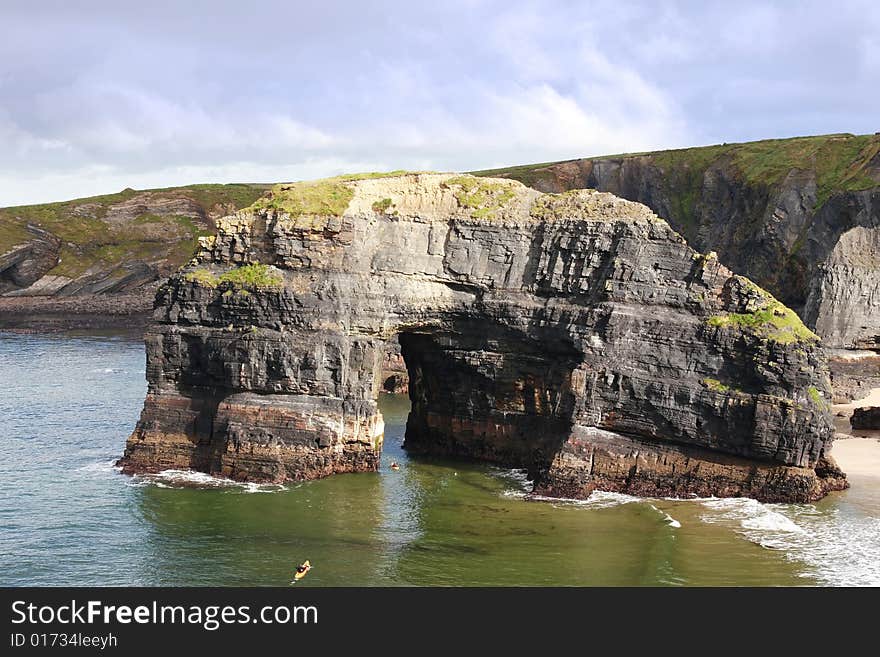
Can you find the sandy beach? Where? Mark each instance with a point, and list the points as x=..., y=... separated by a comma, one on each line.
x=858, y=456
x=857, y=451
x=873, y=399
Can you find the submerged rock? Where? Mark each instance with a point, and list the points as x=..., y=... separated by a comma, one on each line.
x=576, y=335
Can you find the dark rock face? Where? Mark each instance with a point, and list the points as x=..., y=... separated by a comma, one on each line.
x=574, y=335
x=853, y=374
x=820, y=257
x=395, y=377
x=866, y=418
x=26, y=263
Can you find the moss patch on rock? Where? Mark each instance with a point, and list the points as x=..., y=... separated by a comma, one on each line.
x=769, y=319
x=715, y=385
x=818, y=400
x=201, y=277
x=254, y=276
x=325, y=198
x=484, y=198
x=382, y=206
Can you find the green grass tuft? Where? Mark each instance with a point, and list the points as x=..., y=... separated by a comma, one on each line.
x=201, y=277
x=715, y=385
x=325, y=198
x=818, y=400
x=328, y=197
x=483, y=198
x=772, y=321
x=382, y=206
x=255, y=276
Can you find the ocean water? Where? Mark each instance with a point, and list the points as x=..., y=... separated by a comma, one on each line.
x=68, y=517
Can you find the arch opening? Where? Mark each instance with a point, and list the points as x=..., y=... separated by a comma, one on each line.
x=483, y=391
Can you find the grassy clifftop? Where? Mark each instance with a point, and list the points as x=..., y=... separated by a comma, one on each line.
x=841, y=162
x=772, y=209
x=103, y=233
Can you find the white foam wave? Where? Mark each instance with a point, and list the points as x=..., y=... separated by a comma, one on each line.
x=193, y=479
x=520, y=480
x=107, y=465
x=597, y=500
x=760, y=523
x=672, y=522
x=838, y=548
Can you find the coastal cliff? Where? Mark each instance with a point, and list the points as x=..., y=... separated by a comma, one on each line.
x=97, y=262
x=801, y=217
x=575, y=335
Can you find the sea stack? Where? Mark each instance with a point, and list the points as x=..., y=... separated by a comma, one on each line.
x=575, y=335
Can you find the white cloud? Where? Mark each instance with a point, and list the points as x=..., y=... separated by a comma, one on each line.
x=98, y=99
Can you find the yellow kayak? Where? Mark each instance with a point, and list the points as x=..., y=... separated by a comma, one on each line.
x=302, y=571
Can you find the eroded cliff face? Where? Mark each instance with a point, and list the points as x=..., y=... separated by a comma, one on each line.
x=97, y=262
x=801, y=217
x=844, y=300
x=576, y=335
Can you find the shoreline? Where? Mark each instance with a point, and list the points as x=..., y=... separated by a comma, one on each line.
x=871, y=399
x=858, y=456
x=95, y=312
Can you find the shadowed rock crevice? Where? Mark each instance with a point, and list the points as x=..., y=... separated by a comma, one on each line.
x=575, y=335
x=485, y=392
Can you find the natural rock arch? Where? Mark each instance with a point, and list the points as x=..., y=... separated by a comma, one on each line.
x=576, y=335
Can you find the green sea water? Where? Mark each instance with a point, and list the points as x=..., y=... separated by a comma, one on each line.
x=68, y=517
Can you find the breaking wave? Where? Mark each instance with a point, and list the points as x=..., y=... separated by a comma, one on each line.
x=523, y=490
x=838, y=548
x=672, y=522
x=104, y=465
x=201, y=480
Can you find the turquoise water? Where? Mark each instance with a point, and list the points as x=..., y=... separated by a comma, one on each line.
x=67, y=517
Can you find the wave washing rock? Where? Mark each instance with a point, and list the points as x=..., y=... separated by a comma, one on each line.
x=575, y=335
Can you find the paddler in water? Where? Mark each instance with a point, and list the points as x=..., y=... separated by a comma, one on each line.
x=301, y=571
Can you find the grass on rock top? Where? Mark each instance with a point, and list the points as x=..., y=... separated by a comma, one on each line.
x=482, y=197
x=840, y=162
x=328, y=197
x=88, y=240
x=772, y=321
x=253, y=276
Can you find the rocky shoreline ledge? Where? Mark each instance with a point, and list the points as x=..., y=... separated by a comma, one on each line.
x=574, y=335
x=96, y=311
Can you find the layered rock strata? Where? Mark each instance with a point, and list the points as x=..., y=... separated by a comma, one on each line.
x=576, y=335
x=799, y=216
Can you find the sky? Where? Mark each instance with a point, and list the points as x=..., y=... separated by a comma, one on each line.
x=97, y=96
